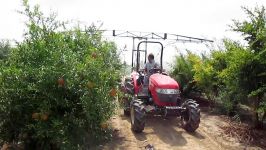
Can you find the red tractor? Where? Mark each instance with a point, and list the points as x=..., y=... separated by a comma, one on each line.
x=160, y=96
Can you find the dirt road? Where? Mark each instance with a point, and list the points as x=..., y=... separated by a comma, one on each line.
x=166, y=134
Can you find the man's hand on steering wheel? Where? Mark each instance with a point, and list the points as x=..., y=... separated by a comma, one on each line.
x=155, y=70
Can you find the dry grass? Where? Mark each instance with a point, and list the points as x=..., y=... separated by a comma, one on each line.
x=244, y=133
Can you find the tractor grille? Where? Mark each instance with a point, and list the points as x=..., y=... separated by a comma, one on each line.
x=168, y=98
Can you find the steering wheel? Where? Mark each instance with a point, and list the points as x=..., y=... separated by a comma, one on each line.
x=155, y=70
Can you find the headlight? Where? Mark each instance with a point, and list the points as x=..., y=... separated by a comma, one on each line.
x=168, y=91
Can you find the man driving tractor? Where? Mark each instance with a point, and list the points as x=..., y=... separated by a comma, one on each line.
x=151, y=64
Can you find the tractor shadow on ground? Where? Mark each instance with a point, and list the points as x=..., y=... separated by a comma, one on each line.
x=197, y=135
x=164, y=130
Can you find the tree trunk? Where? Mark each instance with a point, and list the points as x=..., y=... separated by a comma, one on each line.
x=257, y=122
x=263, y=118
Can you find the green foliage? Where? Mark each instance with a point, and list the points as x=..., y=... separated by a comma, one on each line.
x=227, y=66
x=182, y=70
x=253, y=73
x=254, y=31
x=55, y=86
x=236, y=73
x=190, y=69
x=253, y=28
x=236, y=57
x=4, y=49
x=205, y=77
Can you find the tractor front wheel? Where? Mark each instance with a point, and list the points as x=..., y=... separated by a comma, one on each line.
x=190, y=116
x=137, y=116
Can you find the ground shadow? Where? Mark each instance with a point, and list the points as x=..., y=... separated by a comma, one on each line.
x=197, y=135
x=114, y=143
x=124, y=117
x=164, y=130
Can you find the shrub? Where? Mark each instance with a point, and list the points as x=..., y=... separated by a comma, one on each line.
x=57, y=88
x=183, y=70
x=4, y=49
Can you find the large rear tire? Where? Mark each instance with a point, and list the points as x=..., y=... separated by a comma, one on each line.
x=190, y=116
x=137, y=116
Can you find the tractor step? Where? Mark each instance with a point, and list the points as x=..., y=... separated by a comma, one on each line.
x=172, y=110
x=149, y=108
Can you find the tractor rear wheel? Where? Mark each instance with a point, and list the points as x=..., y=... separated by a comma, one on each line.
x=137, y=116
x=190, y=116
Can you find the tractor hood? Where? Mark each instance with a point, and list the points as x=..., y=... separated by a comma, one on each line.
x=163, y=81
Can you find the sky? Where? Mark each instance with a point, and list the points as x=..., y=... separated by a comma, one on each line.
x=197, y=18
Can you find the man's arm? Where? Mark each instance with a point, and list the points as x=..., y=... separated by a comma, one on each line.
x=145, y=68
x=156, y=65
